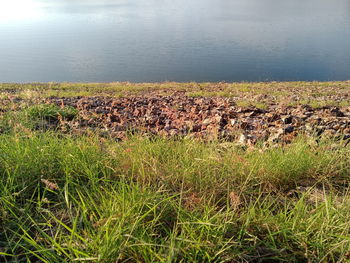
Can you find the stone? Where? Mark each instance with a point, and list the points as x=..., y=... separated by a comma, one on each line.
x=242, y=139
x=289, y=129
x=287, y=119
x=179, y=115
x=206, y=121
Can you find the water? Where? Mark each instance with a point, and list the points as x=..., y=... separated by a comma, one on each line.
x=182, y=40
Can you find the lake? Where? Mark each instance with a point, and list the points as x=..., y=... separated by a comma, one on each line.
x=174, y=40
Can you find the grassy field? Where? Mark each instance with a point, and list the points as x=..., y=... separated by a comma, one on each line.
x=260, y=94
x=70, y=198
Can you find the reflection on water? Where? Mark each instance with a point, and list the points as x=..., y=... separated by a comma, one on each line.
x=22, y=10
x=157, y=40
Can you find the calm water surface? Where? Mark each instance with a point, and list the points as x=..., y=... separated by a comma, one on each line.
x=175, y=40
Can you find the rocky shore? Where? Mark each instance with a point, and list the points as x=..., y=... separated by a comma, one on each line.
x=204, y=117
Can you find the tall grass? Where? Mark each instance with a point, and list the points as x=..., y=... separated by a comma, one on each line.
x=79, y=199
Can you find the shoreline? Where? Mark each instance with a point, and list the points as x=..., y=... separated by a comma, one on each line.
x=245, y=113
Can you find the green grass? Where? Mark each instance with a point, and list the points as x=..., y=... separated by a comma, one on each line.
x=313, y=92
x=51, y=112
x=72, y=198
x=76, y=199
x=26, y=118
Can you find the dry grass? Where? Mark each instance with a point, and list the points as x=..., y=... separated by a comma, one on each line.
x=293, y=93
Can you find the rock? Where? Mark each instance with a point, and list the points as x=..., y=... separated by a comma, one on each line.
x=174, y=132
x=309, y=127
x=242, y=139
x=276, y=137
x=233, y=122
x=206, y=121
x=218, y=119
x=289, y=129
x=287, y=119
x=335, y=111
x=336, y=126
x=178, y=115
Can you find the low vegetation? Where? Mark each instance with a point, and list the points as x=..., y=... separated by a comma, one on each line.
x=66, y=197
x=51, y=112
x=317, y=94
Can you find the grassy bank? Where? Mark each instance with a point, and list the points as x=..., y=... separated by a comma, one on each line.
x=157, y=200
x=69, y=197
x=260, y=94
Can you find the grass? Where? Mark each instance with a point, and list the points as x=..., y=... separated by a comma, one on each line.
x=51, y=112
x=314, y=92
x=79, y=198
x=65, y=198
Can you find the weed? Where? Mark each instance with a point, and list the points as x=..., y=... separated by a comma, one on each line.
x=67, y=198
x=51, y=112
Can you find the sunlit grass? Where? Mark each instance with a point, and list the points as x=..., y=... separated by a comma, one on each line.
x=66, y=198
x=83, y=198
x=314, y=92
